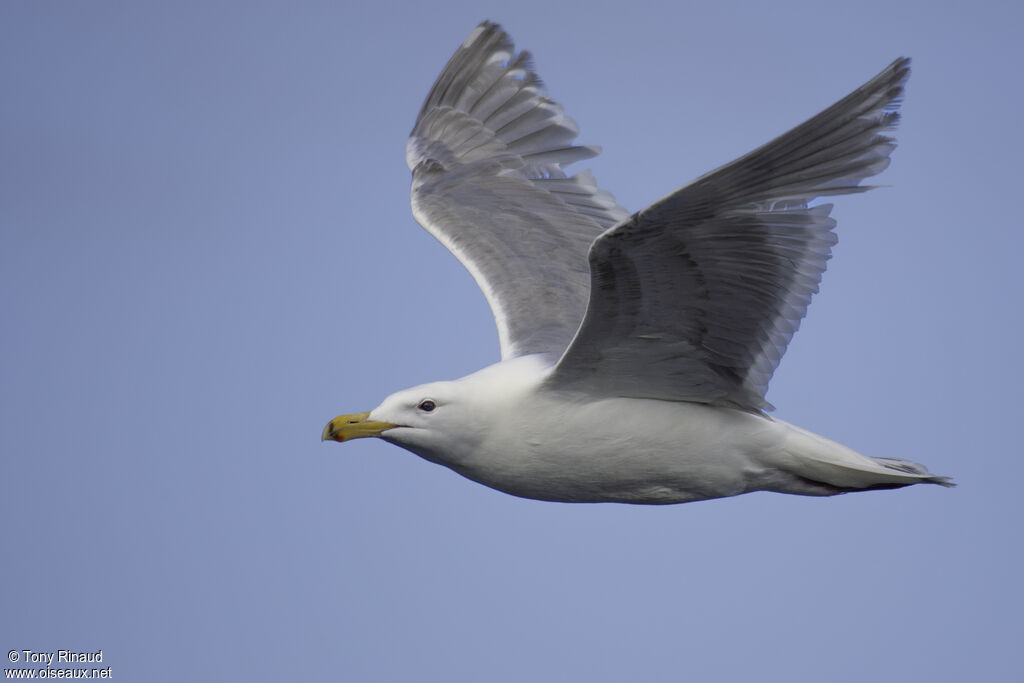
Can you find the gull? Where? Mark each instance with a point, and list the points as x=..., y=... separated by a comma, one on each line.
x=636, y=349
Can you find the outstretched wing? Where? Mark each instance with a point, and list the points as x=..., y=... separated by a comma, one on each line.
x=696, y=297
x=486, y=155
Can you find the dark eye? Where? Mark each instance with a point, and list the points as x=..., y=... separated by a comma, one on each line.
x=427, y=405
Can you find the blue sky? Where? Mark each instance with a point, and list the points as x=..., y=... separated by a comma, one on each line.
x=206, y=252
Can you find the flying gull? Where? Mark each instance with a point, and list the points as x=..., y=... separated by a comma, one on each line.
x=636, y=349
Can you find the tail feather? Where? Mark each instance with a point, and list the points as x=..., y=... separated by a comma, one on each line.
x=901, y=465
x=816, y=458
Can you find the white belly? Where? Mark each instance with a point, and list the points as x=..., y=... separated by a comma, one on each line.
x=626, y=450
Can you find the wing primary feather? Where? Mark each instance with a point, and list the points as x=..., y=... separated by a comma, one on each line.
x=486, y=152
x=721, y=271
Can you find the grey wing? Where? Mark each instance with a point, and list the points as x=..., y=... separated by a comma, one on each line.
x=486, y=156
x=696, y=297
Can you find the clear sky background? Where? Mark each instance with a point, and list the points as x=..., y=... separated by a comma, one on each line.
x=206, y=252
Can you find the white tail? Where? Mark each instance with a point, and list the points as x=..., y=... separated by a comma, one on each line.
x=819, y=459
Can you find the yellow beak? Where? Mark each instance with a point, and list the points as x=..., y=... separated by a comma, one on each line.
x=356, y=426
